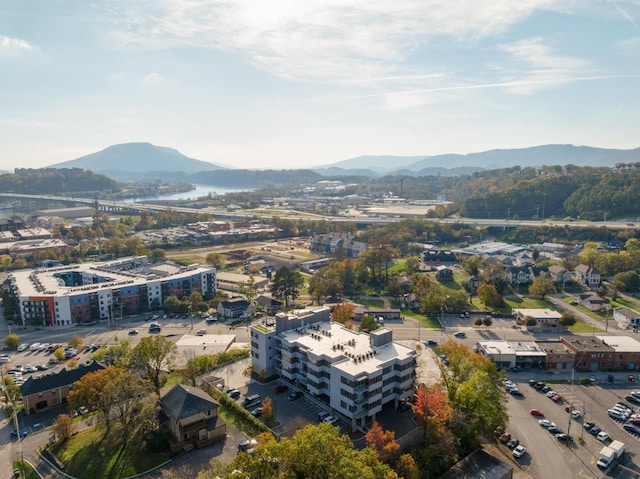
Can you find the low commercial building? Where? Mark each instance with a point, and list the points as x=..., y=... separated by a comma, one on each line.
x=49, y=391
x=509, y=354
x=86, y=292
x=545, y=318
x=591, y=353
x=356, y=374
x=234, y=281
x=626, y=349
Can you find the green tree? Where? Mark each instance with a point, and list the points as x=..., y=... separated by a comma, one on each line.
x=314, y=452
x=286, y=284
x=12, y=341
x=134, y=408
x=626, y=281
x=567, y=320
x=368, y=323
x=541, y=285
x=488, y=294
x=474, y=390
x=152, y=356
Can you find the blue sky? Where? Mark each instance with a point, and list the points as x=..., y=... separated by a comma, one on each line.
x=292, y=84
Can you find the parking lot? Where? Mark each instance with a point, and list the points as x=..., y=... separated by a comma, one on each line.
x=546, y=456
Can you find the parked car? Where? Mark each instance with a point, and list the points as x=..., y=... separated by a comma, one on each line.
x=537, y=412
x=322, y=415
x=631, y=428
x=602, y=436
x=562, y=437
x=294, y=395
x=554, y=430
x=431, y=342
x=30, y=369
x=519, y=451
x=516, y=393
x=233, y=393
x=4, y=358
x=505, y=437
x=575, y=414
x=133, y=332
x=556, y=398
x=257, y=412
x=460, y=334
x=513, y=443
x=330, y=419
x=22, y=347
x=247, y=444
x=545, y=423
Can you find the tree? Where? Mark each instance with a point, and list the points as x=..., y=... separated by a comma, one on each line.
x=343, y=312
x=134, y=408
x=541, y=285
x=626, y=281
x=91, y=391
x=567, y=320
x=383, y=442
x=368, y=323
x=487, y=321
x=64, y=427
x=215, y=259
x=432, y=411
x=12, y=341
x=267, y=410
x=473, y=388
x=406, y=467
x=530, y=322
x=286, y=284
x=488, y=294
x=59, y=354
x=153, y=355
x=314, y=452
x=76, y=342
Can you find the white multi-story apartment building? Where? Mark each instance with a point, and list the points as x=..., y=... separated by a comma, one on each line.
x=355, y=373
x=86, y=292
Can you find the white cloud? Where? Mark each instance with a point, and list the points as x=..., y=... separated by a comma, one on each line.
x=13, y=44
x=318, y=39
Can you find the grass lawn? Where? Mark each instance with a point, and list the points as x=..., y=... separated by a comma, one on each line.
x=92, y=454
x=24, y=466
x=622, y=302
x=371, y=303
x=582, y=327
x=527, y=303
x=427, y=322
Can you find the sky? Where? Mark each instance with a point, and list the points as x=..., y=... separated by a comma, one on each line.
x=296, y=84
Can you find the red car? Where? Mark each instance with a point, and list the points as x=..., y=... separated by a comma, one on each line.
x=556, y=398
x=536, y=412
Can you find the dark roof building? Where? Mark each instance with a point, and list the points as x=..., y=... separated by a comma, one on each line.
x=51, y=390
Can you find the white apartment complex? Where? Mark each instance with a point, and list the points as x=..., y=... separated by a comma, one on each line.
x=64, y=295
x=355, y=373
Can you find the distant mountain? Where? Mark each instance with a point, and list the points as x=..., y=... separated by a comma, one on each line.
x=533, y=156
x=492, y=159
x=376, y=163
x=135, y=161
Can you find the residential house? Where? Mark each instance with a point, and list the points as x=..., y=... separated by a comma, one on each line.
x=269, y=304
x=626, y=317
x=593, y=302
x=337, y=243
x=49, y=391
x=587, y=276
x=517, y=275
x=189, y=417
x=413, y=301
x=438, y=256
x=444, y=273
x=560, y=275
x=236, y=308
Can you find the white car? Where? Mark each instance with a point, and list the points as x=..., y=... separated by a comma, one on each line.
x=545, y=423
x=30, y=369
x=330, y=419
x=4, y=358
x=34, y=347
x=551, y=393
x=43, y=347
x=519, y=451
x=602, y=436
x=22, y=347
x=575, y=414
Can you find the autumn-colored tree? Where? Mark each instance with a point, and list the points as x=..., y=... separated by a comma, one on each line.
x=215, y=259
x=90, y=392
x=76, y=342
x=59, y=354
x=64, y=427
x=267, y=410
x=432, y=410
x=383, y=442
x=343, y=312
x=406, y=467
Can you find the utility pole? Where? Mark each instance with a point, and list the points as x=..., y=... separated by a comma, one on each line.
x=544, y=197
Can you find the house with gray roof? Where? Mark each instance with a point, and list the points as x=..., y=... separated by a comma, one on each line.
x=40, y=394
x=189, y=417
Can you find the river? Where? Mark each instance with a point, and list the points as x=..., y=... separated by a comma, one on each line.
x=198, y=192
